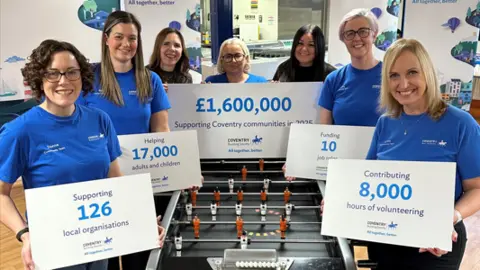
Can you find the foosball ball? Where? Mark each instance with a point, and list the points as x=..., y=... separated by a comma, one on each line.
x=247, y=216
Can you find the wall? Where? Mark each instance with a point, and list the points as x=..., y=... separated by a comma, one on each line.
x=268, y=9
x=24, y=26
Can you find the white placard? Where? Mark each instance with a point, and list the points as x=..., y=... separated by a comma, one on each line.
x=391, y=202
x=310, y=147
x=171, y=158
x=82, y=222
x=243, y=120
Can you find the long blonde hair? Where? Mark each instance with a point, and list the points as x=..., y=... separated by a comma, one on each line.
x=108, y=81
x=435, y=105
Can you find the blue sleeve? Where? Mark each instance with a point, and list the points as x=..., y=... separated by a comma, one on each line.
x=210, y=79
x=113, y=143
x=372, y=151
x=160, y=100
x=13, y=159
x=468, y=158
x=326, y=99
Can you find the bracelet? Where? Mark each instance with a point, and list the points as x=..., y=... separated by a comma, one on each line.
x=21, y=232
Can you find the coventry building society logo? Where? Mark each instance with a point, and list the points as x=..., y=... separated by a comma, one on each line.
x=96, y=137
x=242, y=141
x=381, y=225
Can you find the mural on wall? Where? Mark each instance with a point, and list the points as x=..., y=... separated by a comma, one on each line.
x=473, y=15
x=393, y=7
x=93, y=13
x=465, y=50
x=193, y=18
x=459, y=41
x=7, y=91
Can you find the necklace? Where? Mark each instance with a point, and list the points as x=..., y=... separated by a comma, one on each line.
x=414, y=123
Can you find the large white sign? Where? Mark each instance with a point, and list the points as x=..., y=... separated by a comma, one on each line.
x=450, y=35
x=391, y=202
x=88, y=221
x=243, y=120
x=310, y=147
x=171, y=158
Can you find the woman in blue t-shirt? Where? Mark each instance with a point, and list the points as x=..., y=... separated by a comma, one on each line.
x=233, y=64
x=49, y=144
x=350, y=94
x=415, y=113
x=124, y=88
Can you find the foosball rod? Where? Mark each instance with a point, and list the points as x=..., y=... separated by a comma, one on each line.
x=239, y=171
x=178, y=222
x=258, y=182
x=254, y=207
x=243, y=162
x=258, y=193
x=298, y=241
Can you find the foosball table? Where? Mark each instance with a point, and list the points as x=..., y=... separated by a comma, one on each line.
x=247, y=216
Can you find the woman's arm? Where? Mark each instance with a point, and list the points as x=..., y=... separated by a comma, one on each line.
x=159, y=122
x=114, y=170
x=9, y=214
x=325, y=116
x=469, y=203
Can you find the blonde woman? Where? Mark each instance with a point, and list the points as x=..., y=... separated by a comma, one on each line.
x=411, y=98
x=233, y=64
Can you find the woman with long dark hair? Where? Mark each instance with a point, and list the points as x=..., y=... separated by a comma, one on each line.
x=307, y=58
x=169, y=58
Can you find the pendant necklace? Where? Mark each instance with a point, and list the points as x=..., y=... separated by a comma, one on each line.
x=406, y=128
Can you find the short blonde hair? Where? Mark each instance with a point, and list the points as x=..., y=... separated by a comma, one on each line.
x=233, y=41
x=358, y=13
x=435, y=105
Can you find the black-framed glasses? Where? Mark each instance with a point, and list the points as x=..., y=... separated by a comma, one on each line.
x=229, y=57
x=55, y=75
x=362, y=32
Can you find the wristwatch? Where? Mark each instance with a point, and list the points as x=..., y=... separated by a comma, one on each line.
x=459, y=216
x=21, y=232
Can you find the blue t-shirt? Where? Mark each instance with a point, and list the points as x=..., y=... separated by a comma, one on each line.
x=134, y=117
x=222, y=78
x=455, y=137
x=352, y=95
x=48, y=150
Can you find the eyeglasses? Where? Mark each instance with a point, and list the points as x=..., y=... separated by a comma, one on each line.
x=55, y=76
x=362, y=32
x=229, y=57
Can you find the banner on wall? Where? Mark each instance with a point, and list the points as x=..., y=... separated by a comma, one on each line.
x=243, y=120
x=450, y=35
x=386, y=11
x=184, y=16
x=81, y=25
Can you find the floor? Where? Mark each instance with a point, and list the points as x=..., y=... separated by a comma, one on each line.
x=10, y=248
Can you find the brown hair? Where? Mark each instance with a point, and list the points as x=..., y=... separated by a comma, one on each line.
x=183, y=64
x=108, y=81
x=41, y=57
x=436, y=106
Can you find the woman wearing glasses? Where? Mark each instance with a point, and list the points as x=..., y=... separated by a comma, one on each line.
x=233, y=64
x=350, y=94
x=49, y=145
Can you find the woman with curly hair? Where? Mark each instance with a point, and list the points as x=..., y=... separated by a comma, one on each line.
x=49, y=145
